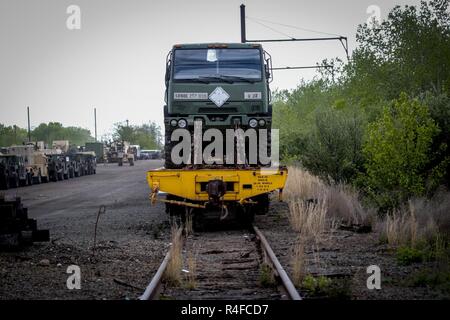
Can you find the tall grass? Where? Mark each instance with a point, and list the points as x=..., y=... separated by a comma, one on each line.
x=191, y=282
x=173, y=271
x=313, y=201
x=420, y=220
x=302, y=185
x=298, y=263
x=308, y=218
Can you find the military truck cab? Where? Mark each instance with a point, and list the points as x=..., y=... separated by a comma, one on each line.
x=225, y=86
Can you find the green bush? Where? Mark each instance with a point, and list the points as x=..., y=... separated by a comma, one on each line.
x=397, y=152
x=431, y=277
x=334, y=146
x=316, y=285
x=409, y=255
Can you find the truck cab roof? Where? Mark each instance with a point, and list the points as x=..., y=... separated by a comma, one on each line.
x=216, y=45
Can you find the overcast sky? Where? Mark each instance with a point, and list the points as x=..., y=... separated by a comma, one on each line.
x=116, y=61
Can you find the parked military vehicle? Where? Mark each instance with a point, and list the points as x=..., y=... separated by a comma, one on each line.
x=121, y=152
x=62, y=145
x=14, y=172
x=58, y=167
x=136, y=150
x=4, y=173
x=74, y=166
x=98, y=148
x=224, y=87
x=116, y=152
x=35, y=162
x=88, y=162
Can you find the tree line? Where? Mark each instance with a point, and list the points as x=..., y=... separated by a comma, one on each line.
x=148, y=135
x=47, y=132
x=380, y=121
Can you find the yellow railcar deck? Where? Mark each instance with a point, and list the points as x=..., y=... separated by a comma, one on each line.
x=241, y=184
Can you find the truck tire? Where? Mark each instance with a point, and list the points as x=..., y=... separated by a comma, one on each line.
x=37, y=179
x=29, y=179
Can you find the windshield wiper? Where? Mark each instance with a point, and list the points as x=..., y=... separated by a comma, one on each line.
x=199, y=79
x=237, y=78
x=216, y=77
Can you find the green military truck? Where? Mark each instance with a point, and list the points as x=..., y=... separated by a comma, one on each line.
x=225, y=86
x=98, y=148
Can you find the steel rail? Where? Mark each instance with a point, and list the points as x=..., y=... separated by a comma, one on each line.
x=285, y=280
x=153, y=287
x=152, y=290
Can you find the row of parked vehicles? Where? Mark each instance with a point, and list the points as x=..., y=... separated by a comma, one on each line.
x=150, y=154
x=27, y=165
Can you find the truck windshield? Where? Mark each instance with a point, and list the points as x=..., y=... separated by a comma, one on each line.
x=217, y=64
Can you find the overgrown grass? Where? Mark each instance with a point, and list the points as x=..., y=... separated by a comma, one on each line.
x=191, y=281
x=308, y=218
x=298, y=263
x=419, y=231
x=315, y=205
x=302, y=185
x=173, y=270
x=322, y=286
x=266, y=277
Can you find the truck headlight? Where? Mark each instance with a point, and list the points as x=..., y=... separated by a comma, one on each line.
x=182, y=123
x=262, y=122
x=173, y=123
x=253, y=123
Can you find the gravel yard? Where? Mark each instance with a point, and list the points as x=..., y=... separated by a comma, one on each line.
x=132, y=237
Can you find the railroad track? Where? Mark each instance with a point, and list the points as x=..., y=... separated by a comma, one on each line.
x=232, y=265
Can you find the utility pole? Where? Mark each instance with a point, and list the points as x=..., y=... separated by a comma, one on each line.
x=95, y=123
x=243, y=31
x=127, y=123
x=29, y=129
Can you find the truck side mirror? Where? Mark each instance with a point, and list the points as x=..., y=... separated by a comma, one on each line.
x=266, y=68
x=167, y=76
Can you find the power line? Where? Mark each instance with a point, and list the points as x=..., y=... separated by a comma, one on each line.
x=273, y=29
x=303, y=67
x=343, y=40
x=294, y=27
